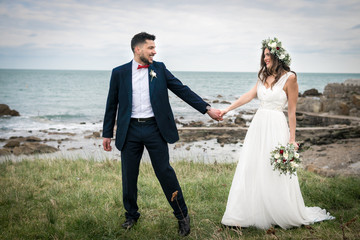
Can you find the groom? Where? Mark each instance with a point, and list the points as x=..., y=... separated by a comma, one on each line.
x=139, y=94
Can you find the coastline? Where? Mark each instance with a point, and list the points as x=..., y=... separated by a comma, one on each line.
x=329, y=150
x=328, y=126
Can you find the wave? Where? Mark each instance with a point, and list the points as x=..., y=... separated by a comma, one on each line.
x=63, y=117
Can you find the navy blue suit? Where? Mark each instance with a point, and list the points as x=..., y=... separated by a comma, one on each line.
x=132, y=136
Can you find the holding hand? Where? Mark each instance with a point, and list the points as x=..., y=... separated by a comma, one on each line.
x=296, y=145
x=223, y=112
x=215, y=114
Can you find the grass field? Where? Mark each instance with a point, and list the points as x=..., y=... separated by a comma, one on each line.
x=81, y=199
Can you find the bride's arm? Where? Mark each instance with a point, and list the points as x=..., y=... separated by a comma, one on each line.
x=245, y=98
x=292, y=91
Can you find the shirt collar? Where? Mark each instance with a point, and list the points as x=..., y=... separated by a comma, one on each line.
x=135, y=65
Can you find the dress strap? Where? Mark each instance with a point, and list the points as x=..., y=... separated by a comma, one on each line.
x=284, y=78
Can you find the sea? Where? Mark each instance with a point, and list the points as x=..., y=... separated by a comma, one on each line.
x=74, y=100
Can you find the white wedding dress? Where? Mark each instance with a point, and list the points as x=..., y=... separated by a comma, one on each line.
x=259, y=196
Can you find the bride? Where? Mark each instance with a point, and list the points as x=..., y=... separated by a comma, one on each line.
x=259, y=196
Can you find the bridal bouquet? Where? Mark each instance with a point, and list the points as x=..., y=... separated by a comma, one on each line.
x=285, y=159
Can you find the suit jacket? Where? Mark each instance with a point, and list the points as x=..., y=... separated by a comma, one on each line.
x=120, y=100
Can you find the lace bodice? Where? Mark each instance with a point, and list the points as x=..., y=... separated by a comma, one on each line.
x=273, y=98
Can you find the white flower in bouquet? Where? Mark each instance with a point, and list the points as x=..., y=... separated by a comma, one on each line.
x=277, y=156
x=294, y=165
x=297, y=155
x=286, y=155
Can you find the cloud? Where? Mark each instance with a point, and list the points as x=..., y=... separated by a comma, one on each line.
x=356, y=26
x=191, y=35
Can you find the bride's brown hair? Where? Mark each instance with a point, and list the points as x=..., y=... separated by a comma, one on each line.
x=277, y=68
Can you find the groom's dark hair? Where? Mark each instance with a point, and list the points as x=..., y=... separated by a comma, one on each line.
x=141, y=38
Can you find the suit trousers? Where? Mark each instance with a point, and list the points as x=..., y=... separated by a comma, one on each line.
x=140, y=135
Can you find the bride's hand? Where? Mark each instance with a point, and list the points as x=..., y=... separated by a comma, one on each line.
x=223, y=112
x=295, y=144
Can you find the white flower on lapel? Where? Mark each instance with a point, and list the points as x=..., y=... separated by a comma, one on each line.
x=152, y=74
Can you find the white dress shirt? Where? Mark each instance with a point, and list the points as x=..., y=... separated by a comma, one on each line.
x=141, y=106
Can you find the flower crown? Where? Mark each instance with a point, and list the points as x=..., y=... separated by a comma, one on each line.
x=275, y=47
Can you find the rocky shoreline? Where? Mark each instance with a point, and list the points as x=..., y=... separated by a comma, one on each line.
x=328, y=128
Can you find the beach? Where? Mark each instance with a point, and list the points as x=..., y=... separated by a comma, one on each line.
x=69, y=122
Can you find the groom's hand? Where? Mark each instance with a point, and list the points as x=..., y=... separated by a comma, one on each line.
x=106, y=144
x=215, y=114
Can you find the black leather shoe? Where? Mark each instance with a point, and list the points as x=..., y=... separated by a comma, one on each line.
x=184, y=226
x=129, y=223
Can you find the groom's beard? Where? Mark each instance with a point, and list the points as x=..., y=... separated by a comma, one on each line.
x=144, y=60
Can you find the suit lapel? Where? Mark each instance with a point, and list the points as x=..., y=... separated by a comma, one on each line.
x=128, y=81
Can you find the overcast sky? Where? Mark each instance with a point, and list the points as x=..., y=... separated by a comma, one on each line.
x=191, y=35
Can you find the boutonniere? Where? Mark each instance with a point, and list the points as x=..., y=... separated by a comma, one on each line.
x=152, y=74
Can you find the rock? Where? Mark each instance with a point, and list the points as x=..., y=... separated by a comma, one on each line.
x=22, y=150
x=312, y=120
x=178, y=145
x=227, y=122
x=12, y=144
x=194, y=124
x=309, y=105
x=334, y=90
x=338, y=158
x=32, y=139
x=354, y=112
x=43, y=148
x=311, y=92
x=30, y=145
x=341, y=98
x=28, y=148
x=6, y=111
x=356, y=100
x=73, y=148
x=344, y=108
x=355, y=82
x=5, y=152
x=215, y=101
x=227, y=139
x=240, y=121
x=328, y=136
x=93, y=135
x=310, y=168
x=62, y=133
x=225, y=102
x=330, y=106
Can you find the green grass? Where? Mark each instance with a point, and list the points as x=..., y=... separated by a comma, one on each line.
x=81, y=199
